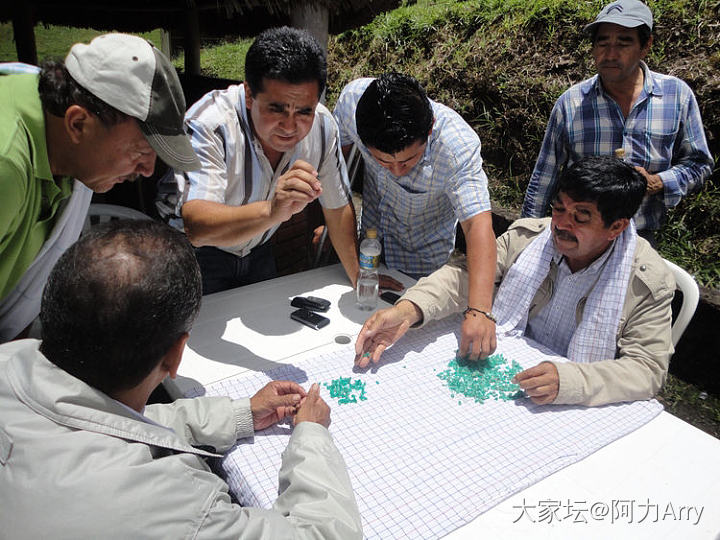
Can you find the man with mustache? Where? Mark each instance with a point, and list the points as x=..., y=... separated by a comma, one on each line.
x=652, y=119
x=101, y=117
x=267, y=148
x=581, y=283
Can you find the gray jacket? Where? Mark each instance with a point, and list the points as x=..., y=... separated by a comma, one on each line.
x=644, y=345
x=74, y=463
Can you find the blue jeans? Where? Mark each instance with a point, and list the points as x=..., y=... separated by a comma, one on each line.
x=222, y=270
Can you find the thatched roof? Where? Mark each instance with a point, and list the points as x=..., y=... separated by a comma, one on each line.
x=242, y=17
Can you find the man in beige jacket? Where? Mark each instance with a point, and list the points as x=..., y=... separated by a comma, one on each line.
x=82, y=456
x=581, y=283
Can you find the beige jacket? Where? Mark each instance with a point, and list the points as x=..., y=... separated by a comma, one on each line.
x=644, y=342
x=76, y=464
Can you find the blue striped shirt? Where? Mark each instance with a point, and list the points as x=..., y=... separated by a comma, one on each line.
x=663, y=133
x=235, y=170
x=416, y=214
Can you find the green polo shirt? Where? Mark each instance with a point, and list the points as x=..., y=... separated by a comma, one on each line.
x=29, y=196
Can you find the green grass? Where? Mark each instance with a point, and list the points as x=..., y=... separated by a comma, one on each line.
x=225, y=60
x=54, y=42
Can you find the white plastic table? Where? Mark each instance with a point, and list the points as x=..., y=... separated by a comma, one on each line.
x=649, y=484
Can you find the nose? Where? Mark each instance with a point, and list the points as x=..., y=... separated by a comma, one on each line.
x=396, y=169
x=287, y=122
x=146, y=165
x=563, y=221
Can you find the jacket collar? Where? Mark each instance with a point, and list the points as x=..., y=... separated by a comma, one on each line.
x=68, y=401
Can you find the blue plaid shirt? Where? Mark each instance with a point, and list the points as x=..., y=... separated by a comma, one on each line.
x=663, y=133
x=416, y=214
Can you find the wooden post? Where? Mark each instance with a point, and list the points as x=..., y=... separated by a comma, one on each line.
x=192, y=42
x=23, y=29
x=314, y=19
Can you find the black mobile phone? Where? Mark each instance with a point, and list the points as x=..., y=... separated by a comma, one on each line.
x=390, y=297
x=313, y=303
x=309, y=318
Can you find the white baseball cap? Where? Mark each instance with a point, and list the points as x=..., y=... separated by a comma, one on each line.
x=128, y=73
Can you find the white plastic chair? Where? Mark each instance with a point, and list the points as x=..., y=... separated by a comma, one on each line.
x=102, y=213
x=691, y=295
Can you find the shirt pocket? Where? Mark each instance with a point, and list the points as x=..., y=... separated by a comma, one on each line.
x=659, y=143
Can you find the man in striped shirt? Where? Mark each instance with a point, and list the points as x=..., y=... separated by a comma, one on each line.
x=652, y=118
x=423, y=175
x=267, y=148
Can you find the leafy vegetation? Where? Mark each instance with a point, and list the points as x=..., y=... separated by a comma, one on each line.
x=503, y=63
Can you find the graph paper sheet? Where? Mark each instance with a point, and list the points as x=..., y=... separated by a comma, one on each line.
x=421, y=463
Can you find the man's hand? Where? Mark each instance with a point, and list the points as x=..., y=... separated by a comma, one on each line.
x=383, y=329
x=294, y=190
x=654, y=182
x=313, y=408
x=275, y=401
x=541, y=383
x=479, y=331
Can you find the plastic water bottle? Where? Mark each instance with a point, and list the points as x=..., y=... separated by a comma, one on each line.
x=368, y=280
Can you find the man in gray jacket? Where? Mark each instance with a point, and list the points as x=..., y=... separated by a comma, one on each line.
x=82, y=456
x=581, y=283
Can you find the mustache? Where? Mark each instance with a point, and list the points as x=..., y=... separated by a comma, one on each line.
x=564, y=235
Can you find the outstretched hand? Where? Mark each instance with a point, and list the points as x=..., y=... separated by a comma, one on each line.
x=541, y=383
x=275, y=401
x=477, y=337
x=383, y=329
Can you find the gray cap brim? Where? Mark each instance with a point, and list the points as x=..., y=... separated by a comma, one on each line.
x=620, y=21
x=175, y=150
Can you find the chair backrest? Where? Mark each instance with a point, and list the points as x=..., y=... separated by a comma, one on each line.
x=691, y=295
x=102, y=213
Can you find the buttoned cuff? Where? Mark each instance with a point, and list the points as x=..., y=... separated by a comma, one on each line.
x=569, y=384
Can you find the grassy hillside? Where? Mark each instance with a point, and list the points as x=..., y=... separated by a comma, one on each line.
x=503, y=63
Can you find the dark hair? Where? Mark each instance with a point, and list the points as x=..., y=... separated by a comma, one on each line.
x=117, y=300
x=616, y=187
x=58, y=91
x=393, y=113
x=643, y=32
x=285, y=54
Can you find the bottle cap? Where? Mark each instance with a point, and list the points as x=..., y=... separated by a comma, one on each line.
x=371, y=233
x=620, y=153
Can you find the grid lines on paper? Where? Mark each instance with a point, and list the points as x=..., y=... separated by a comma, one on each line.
x=422, y=465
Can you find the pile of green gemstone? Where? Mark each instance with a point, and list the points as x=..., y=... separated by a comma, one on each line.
x=346, y=390
x=484, y=379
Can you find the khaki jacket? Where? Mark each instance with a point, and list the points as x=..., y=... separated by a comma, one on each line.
x=75, y=464
x=644, y=343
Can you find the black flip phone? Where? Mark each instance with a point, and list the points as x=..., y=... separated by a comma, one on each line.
x=390, y=297
x=313, y=303
x=309, y=318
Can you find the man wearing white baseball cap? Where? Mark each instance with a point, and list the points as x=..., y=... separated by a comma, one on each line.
x=68, y=130
x=651, y=119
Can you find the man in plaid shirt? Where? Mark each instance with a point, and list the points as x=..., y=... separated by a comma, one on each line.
x=423, y=175
x=653, y=118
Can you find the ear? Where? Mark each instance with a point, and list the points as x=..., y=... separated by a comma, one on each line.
x=248, y=95
x=78, y=122
x=646, y=48
x=617, y=227
x=171, y=361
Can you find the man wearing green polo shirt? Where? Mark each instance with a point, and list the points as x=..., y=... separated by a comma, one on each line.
x=101, y=118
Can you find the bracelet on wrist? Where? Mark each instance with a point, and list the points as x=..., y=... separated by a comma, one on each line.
x=472, y=310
